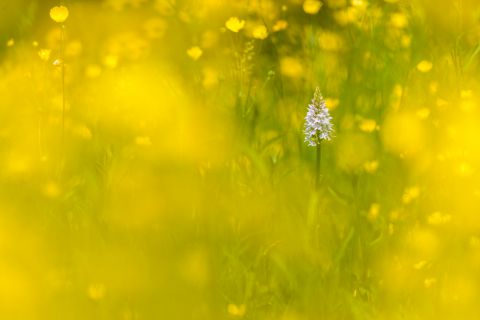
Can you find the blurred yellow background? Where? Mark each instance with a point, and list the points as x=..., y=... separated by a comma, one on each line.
x=153, y=164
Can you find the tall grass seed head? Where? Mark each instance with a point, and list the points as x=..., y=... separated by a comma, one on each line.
x=318, y=122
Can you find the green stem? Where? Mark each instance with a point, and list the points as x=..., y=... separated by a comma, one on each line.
x=318, y=167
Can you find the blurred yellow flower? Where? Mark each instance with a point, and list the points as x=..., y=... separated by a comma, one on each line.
x=312, y=6
x=210, y=78
x=442, y=103
x=209, y=39
x=234, y=24
x=59, y=14
x=464, y=169
x=73, y=48
x=10, y=42
x=51, y=189
x=423, y=113
x=346, y=16
x=195, y=52
x=368, y=125
x=332, y=103
x=370, y=166
x=391, y=229
x=466, y=94
x=410, y=194
x=236, y=311
x=144, y=141
x=399, y=20
x=373, y=211
x=433, y=87
x=110, y=61
x=330, y=41
x=82, y=131
x=424, y=66
x=291, y=67
x=420, y=265
x=96, y=291
x=360, y=3
x=406, y=41
x=44, y=54
x=93, y=71
x=280, y=25
x=429, y=282
x=438, y=218
x=155, y=28
x=260, y=32
x=398, y=90
x=164, y=7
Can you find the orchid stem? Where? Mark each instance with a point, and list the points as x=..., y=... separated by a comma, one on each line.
x=318, y=173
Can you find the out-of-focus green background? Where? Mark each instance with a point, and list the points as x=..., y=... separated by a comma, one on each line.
x=173, y=182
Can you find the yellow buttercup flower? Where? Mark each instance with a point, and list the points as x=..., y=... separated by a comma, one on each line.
x=399, y=20
x=195, y=52
x=280, y=25
x=410, y=194
x=332, y=103
x=423, y=113
x=234, y=24
x=44, y=54
x=260, y=32
x=370, y=166
x=425, y=66
x=236, y=311
x=312, y=6
x=373, y=212
x=51, y=189
x=330, y=41
x=59, y=14
x=368, y=125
